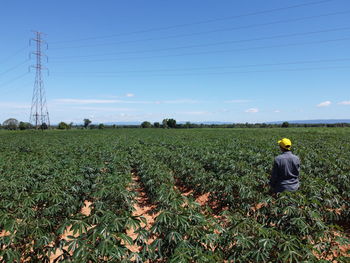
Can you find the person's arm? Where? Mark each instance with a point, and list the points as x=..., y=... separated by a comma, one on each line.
x=274, y=174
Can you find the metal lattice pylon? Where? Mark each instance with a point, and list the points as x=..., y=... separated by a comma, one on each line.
x=39, y=114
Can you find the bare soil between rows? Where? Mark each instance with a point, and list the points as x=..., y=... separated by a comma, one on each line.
x=141, y=208
x=144, y=208
x=86, y=211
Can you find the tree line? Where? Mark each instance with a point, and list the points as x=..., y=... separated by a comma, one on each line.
x=14, y=124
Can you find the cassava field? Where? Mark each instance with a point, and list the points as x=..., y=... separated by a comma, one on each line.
x=168, y=195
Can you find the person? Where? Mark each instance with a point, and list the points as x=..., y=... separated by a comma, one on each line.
x=286, y=169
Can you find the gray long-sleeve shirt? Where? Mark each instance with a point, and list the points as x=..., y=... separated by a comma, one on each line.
x=285, y=172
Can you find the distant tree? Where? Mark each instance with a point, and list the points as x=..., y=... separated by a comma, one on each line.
x=187, y=125
x=146, y=124
x=71, y=125
x=86, y=123
x=165, y=123
x=101, y=126
x=285, y=124
x=63, y=126
x=44, y=126
x=171, y=123
x=10, y=124
x=93, y=126
x=156, y=124
x=24, y=125
x=114, y=126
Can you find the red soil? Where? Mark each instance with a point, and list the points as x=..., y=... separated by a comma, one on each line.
x=142, y=207
x=86, y=211
x=4, y=233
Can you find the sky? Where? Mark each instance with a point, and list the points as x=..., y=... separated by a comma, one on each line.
x=191, y=60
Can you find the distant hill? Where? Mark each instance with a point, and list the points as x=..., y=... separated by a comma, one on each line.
x=326, y=121
x=322, y=121
x=122, y=123
x=179, y=122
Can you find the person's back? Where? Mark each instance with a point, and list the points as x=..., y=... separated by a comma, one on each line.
x=285, y=172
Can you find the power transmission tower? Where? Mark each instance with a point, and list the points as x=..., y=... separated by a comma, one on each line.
x=39, y=114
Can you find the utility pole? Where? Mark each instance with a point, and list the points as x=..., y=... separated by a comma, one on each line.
x=39, y=114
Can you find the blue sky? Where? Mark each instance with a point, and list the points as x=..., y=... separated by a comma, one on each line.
x=192, y=60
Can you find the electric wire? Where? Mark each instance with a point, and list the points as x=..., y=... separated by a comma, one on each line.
x=213, y=67
x=220, y=43
x=16, y=88
x=209, y=52
x=203, y=32
x=14, y=67
x=227, y=72
x=13, y=55
x=14, y=79
x=198, y=22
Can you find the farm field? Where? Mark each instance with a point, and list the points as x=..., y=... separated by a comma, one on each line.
x=172, y=195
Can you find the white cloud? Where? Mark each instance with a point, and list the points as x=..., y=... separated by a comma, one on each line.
x=194, y=113
x=180, y=101
x=324, y=104
x=126, y=95
x=237, y=101
x=14, y=105
x=252, y=110
x=344, y=102
x=97, y=101
x=84, y=101
x=102, y=109
x=276, y=111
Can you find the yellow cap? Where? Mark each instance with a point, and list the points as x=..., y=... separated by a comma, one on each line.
x=285, y=144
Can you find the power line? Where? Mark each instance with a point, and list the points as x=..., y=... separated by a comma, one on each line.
x=215, y=67
x=14, y=79
x=14, y=67
x=198, y=22
x=13, y=54
x=258, y=71
x=206, y=32
x=234, y=72
x=214, y=51
x=12, y=89
x=223, y=42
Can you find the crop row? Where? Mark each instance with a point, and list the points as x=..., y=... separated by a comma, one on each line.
x=47, y=177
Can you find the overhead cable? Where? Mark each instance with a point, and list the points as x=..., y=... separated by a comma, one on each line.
x=14, y=67
x=213, y=67
x=203, y=32
x=210, y=52
x=218, y=43
x=14, y=79
x=267, y=11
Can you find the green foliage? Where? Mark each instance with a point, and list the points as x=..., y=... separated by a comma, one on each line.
x=46, y=177
x=10, y=124
x=24, y=125
x=44, y=126
x=165, y=123
x=285, y=124
x=63, y=126
x=87, y=122
x=146, y=124
x=169, y=123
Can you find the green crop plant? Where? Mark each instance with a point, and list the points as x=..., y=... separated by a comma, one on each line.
x=45, y=178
